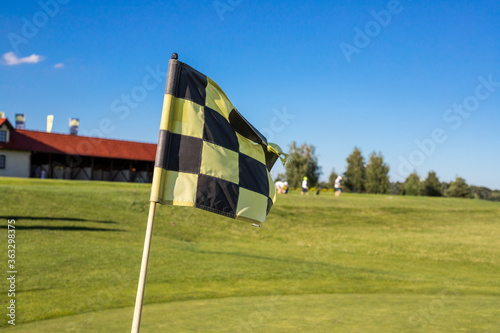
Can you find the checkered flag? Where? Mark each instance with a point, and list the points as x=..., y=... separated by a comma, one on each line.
x=209, y=156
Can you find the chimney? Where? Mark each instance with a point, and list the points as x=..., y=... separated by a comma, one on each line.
x=50, y=121
x=20, y=120
x=2, y=114
x=73, y=126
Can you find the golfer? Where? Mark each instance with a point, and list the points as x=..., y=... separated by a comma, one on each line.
x=338, y=187
x=280, y=186
x=304, y=187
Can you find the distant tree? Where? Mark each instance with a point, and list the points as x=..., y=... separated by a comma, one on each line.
x=484, y=193
x=377, y=175
x=303, y=163
x=281, y=177
x=323, y=185
x=495, y=195
x=396, y=188
x=431, y=186
x=331, y=179
x=459, y=189
x=444, y=187
x=411, y=186
x=356, y=173
x=480, y=192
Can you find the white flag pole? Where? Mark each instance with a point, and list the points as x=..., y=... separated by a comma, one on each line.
x=156, y=188
x=144, y=269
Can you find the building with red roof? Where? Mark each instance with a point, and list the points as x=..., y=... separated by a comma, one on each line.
x=26, y=153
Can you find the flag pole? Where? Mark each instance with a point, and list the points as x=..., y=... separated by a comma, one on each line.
x=156, y=186
x=144, y=269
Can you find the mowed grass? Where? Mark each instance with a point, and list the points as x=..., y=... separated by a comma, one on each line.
x=358, y=263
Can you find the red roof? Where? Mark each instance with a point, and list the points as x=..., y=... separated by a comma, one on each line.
x=5, y=121
x=53, y=143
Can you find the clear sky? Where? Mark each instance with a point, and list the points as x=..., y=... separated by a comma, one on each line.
x=418, y=81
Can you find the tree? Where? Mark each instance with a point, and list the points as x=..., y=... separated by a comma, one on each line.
x=484, y=193
x=331, y=179
x=444, y=187
x=377, y=179
x=431, y=186
x=459, y=189
x=396, y=188
x=411, y=186
x=355, y=174
x=323, y=185
x=495, y=195
x=281, y=177
x=481, y=192
x=303, y=163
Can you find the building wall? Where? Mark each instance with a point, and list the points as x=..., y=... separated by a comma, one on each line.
x=101, y=175
x=84, y=174
x=5, y=128
x=61, y=172
x=17, y=163
x=120, y=175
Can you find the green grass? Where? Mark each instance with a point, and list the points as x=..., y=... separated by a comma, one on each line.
x=358, y=263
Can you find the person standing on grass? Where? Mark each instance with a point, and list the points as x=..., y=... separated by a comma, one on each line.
x=279, y=186
x=338, y=187
x=304, y=187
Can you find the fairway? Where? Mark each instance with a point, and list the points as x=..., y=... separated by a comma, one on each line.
x=357, y=263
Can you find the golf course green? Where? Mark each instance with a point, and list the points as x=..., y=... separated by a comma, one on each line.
x=354, y=263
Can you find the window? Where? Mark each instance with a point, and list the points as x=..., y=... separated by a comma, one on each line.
x=3, y=136
x=2, y=161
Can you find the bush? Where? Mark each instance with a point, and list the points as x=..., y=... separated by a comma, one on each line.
x=459, y=189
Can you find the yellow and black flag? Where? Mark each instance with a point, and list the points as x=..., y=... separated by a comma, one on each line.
x=209, y=156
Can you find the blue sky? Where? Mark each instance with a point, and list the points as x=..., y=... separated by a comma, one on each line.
x=418, y=81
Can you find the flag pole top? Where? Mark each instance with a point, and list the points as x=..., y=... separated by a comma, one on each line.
x=175, y=56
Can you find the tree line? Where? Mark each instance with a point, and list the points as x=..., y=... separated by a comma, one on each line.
x=373, y=177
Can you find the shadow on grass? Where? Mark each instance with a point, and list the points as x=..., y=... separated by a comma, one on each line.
x=302, y=264
x=53, y=218
x=44, y=227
